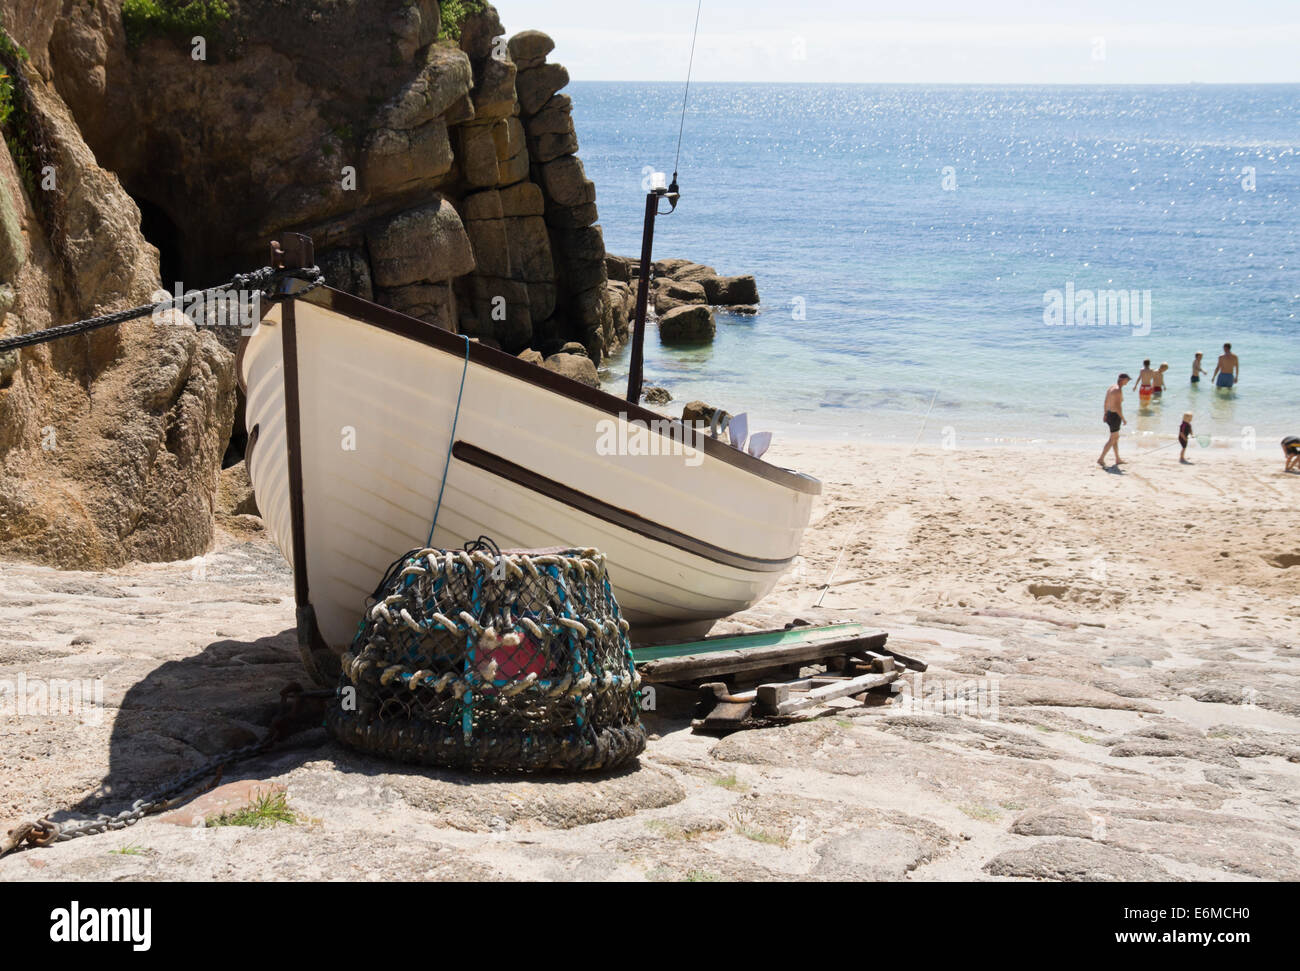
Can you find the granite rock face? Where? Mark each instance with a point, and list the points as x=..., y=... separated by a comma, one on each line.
x=110, y=443
x=438, y=177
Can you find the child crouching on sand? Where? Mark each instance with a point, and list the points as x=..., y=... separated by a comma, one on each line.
x=1291, y=452
x=1184, y=436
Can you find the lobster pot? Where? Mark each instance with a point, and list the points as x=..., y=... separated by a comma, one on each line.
x=495, y=661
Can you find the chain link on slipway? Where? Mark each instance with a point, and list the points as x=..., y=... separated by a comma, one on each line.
x=292, y=717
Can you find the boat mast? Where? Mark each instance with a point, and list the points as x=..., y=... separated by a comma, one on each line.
x=657, y=191
x=634, y=376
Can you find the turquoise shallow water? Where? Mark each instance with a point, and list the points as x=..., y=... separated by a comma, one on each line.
x=918, y=298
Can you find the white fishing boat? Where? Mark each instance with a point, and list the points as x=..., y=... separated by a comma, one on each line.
x=365, y=426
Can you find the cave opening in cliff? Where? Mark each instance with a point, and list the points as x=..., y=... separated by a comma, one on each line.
x=179, y=267
x=160, y=230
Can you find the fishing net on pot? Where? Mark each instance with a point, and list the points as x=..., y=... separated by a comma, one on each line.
x=503, y=661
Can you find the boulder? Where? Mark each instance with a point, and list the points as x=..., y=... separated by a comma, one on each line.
x=622, y=298
x=696, y=272
x=399, y=160
x=347, y=270
x=235, y=495
x=670, y=267
x=572, y=217
x=586, y=244
x=508, y=137
x=531, y=356
x=541, y=299
x=494, y=90
x=522, y=199
x=546, y=147
x=555, y=117
x=578, y=367
x=514, y=169
x=669, y=295
x=573, y=347
x=537, y=85
x=730, y=290
x=697, y=413
x=687, y=325
x=445, y=79
x=479, y=31
x=529, y=48
x=478, y=155
x=483, y=205
x=579, y=275
x=432, y=303
x=566, y=184
x=654, y=395
x=619, y=268
x=501, y=309
x=428, y=244
x=530, y=250
x=491, y=246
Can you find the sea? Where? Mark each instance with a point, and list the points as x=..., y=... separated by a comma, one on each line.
x=969, y=265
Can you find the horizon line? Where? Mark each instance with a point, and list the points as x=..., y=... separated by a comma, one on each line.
x=959, y=84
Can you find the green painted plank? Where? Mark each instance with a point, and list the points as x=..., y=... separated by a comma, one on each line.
x=741, y=642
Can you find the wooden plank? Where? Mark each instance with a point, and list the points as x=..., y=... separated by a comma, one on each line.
x=817, y=696
x=714, y=663
x=722, y=709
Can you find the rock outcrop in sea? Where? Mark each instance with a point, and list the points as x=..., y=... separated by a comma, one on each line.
x=433, y=164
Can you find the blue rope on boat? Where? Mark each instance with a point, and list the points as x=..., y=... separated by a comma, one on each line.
x=451, y=442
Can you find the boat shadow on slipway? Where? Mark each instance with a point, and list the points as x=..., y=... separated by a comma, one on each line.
x=190, y=710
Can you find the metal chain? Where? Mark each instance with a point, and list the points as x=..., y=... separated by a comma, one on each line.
x=45, y=832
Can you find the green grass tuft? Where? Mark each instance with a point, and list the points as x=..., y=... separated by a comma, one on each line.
x=703, y=876
x=731, y=782
x=266, y=811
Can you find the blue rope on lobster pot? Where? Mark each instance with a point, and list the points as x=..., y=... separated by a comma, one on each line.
x=492, y=660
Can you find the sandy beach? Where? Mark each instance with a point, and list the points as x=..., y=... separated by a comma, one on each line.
x=1140, y=628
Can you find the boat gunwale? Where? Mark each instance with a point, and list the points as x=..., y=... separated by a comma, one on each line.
x=431, y=335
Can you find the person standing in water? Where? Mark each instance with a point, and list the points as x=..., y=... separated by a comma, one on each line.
x=1113, y=416
x=1144, y=382
x=1228, y=371
x=1158, y=381
x=1197, y=370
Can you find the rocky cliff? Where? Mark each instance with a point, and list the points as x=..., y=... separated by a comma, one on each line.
x=434, y=165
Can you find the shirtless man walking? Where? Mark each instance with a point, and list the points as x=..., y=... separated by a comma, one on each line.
x=1228, y=371
x=1114, y=417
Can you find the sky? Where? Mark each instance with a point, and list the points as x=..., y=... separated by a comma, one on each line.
x=922, y=41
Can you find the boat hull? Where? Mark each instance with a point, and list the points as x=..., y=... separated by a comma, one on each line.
x=358, y=404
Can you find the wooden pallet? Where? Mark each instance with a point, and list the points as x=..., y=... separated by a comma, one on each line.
x=735, y=655
x=857, y=661
x=720, y=710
